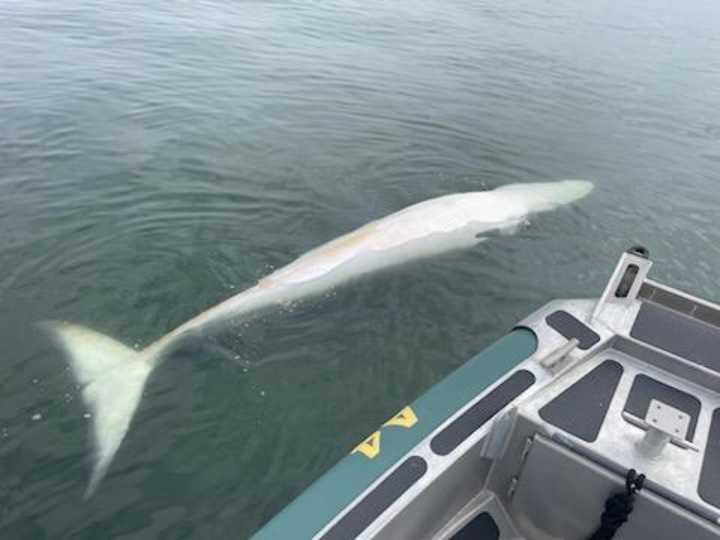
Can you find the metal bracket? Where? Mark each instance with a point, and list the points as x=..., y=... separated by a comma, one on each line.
x=629, y=275
x=556, y=356
x=663, y=424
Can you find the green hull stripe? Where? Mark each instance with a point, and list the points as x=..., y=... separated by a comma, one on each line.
x=336, y=489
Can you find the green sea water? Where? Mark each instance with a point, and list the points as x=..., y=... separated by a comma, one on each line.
x=159, y=157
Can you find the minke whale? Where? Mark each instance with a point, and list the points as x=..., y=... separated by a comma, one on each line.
x=112, y=375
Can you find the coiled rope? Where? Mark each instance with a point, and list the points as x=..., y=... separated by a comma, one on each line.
x=619, y=507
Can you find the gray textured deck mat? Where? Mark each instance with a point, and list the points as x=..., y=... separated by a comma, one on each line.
x=679, y=334
x=475, y=417
x=571, y=327
x=378, y=500
x=581, y=408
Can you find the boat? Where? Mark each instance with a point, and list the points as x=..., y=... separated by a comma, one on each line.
x=591, y=419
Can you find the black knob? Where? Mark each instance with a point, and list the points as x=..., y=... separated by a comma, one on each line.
x=640, y=251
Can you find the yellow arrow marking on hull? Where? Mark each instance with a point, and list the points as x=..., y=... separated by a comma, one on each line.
x=405, y=418
x=370, y=447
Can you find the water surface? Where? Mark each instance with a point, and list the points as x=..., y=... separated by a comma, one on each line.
x=156, y=158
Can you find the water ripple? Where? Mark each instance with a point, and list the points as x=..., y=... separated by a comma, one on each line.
x=158, y=158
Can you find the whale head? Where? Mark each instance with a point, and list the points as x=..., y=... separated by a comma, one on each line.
x=544, y=196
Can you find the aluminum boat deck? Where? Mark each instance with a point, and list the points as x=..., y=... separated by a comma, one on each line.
x=627, y=381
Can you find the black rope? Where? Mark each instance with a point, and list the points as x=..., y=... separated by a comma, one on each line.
x=619, y=507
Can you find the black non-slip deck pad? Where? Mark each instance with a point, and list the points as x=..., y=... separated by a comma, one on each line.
x=709, y=486
x=571, y=327
x=581, y=408
x=645, y=389
x=473, y=419
x=378, y=500
x=482, y=527
x=679, y=334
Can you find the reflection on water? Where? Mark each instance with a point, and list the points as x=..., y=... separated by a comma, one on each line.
x=155, y=159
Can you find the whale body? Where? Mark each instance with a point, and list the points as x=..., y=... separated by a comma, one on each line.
x=112, y=375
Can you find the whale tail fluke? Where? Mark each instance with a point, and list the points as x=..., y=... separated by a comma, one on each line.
x=112, y=377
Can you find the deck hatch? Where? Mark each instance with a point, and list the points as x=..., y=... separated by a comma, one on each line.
x=581, y=408
x=709, y=486
x=570, y=327
x=482, y=527
x=475, y=417
x=696, y=341
x=378, y=500
x=645, y=389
